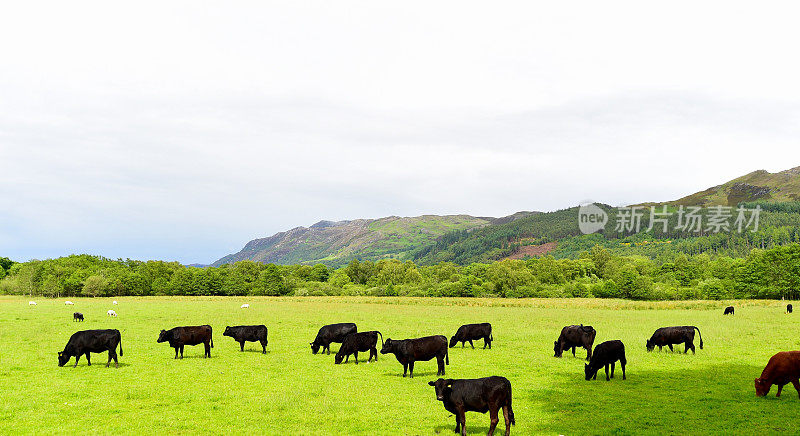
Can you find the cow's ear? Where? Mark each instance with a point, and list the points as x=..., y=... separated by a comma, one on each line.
x=448, y=382
x=430, y=383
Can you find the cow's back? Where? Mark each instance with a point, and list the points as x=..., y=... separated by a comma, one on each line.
x=782, y=367
x=426, y=348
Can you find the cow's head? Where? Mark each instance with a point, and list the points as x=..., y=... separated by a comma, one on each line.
x=227, y=331
x=442, y=387
x=388, y=346
x=314, y=347
x=164, y=336
x=587, y=371
x=62, y=358
x=650, y=345
x=556, y=349
x=453, y=342
x=762, y=388
x=337, y=359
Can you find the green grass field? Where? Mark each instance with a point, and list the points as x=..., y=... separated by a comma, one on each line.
x=291, y=391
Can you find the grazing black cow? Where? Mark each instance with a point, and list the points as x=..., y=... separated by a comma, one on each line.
x=473, y=332
x=606, y=354
x=77, y=316
x=408, y=351
x=363, y=341
x=332, y=333
x=728, y=310
x=788, y=308
x=189, y=335
x=575, y=336
x=488, y=394
x=667, y=336
x=92, y=341
x=248, y=333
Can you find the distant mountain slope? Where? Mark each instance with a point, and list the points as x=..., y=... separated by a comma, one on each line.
x=758, y=185
x=336, y=243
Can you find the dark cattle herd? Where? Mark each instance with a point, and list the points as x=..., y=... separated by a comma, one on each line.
x=489, y=394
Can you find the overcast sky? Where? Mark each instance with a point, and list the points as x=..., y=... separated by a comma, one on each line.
x=181, y=130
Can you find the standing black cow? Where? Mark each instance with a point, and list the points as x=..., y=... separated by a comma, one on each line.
x=575, y=336
x=473, y=332
x=667, y=336
x=248, y=333
x=363, y=341
x=728, y=310
x=488, y=394
x=408, y=351
x=604, y=355
x=332, y=333
x=77, y=316
x=92, y=341
x=788, y=308
x=189, y=335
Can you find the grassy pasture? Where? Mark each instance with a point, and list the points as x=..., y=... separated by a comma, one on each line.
x=291, y=391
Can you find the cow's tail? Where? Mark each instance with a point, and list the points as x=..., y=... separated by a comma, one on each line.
x=120, y=344
x=381, y=337
x=447, y=356
x=510, y=410
x=701, y=336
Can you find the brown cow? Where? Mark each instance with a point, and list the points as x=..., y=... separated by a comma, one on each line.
x=190, y=335
x=782, y=368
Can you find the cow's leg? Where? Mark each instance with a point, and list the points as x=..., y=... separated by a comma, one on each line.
x=176, y=352
x=796, y=384
x=346, y=358
x=263, y=347
x=622, y=363
x=670, y=347
x=405, y=369
x=181, y=351
x=411, y=369
x=114, y=356
x=88, y=361
x=109, y=359
x=356, y=355
x=507, y=419
x=493, y=420
x=458, y=424
x=573, y=351
x=613, y=364
x=76, y=360
x=329, y=349
x=607, y=379
x=471, y=344
x=463, y=343
x=462, y=416
x=588, y=353
x=241, y=346
x=208, y=349
x=780, y=388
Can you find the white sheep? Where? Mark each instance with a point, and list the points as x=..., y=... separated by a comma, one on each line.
x=69, y=303
x=245, y=306
x=114, y=302
x=31, y=303
x=111, y=313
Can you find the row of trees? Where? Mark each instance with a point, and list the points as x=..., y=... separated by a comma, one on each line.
x=596, y=272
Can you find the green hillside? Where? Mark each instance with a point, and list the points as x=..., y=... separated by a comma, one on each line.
x=758, y=185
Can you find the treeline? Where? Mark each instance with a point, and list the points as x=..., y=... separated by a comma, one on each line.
x=596, y=272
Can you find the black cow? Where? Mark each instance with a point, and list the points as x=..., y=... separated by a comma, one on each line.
x=248, y=333
x=473, y=332
x=408, y=351
x=363, y=341
x=488, y=394
x=728, y=310
x=575, y=336
x=606, y=354
x=188, y=335
x=77, y=316
x=92, y=341
x=332, y=333
x=667, y=336
x=788, y=308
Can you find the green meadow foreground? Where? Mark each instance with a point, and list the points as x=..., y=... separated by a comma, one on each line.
x=291, y=391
